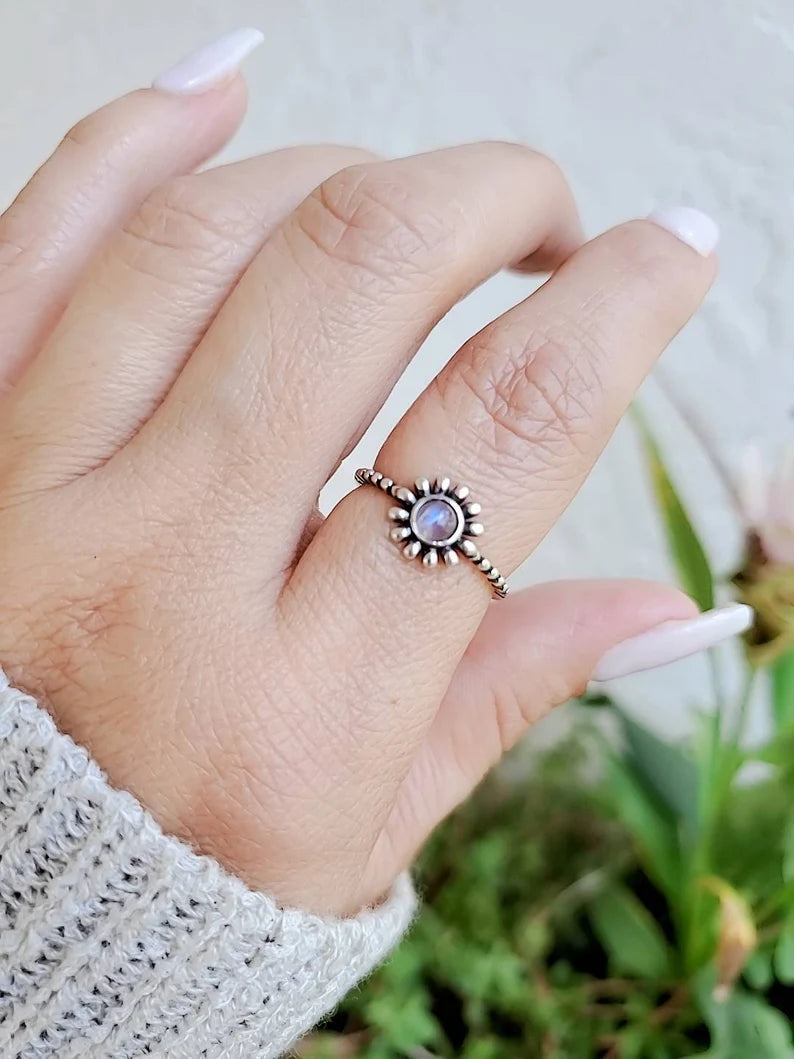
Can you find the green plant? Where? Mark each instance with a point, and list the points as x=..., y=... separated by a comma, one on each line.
x=630, y=898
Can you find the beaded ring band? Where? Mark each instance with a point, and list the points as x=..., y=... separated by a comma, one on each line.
x=435, y=521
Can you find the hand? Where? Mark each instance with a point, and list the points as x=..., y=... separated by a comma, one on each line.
x=186, y=359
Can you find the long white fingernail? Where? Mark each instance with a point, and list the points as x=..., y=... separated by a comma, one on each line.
x=691, y=226
x=673, y=640
x=210, y=65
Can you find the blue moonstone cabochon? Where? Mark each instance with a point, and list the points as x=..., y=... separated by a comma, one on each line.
x=436, y=521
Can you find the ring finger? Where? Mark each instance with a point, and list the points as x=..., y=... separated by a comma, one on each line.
x=520, y=414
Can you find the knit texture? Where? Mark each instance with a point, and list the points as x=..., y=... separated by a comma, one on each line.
x=119, y=941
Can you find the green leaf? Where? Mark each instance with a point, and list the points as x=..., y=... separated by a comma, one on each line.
x=649, y=823
x=632, y=1043
x=694, y=569
x=666, y=768
x=717, y=760
x=594, y=699
x=758, y=971
x=405, y=1025
x=784, y=954
x=779, y=751
x=781, y=675
x=630, y=936
x=482, y=1048
x=788, y=851
x=744, y=1026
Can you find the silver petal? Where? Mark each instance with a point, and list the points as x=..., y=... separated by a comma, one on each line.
x=461, y=492
x=412, y=549
x=430, y=558
x=472, y=508
x=451, y=557
x=404, y=495
x=400, y=533
x=398, y=514
x=475, y=529
x=469, y=548
x=422, y=486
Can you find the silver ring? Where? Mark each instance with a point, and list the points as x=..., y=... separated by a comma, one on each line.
x=437, y=521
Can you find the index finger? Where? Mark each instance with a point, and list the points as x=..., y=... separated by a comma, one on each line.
x=104, y=167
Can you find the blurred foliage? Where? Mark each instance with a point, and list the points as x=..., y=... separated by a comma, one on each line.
x=625, y=898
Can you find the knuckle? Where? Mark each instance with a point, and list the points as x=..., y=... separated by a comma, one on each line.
x=26, y=242
x=187, y=224
x=539, y=171
x=176, y=216
x=118, y=126
x=514, y=711
x=205, y=210
x=102, y=135
x=333, y=157
x=548, y=169
x=370, y=218
x=542, y=164
x=542, y=397
x=19, y=257
x=84, y=133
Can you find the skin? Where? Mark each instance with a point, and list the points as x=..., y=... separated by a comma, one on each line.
x=185, y=359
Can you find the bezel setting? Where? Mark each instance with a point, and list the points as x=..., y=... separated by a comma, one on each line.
x=437, y=499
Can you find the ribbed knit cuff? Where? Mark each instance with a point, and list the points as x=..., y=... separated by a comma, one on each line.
x=119, y=941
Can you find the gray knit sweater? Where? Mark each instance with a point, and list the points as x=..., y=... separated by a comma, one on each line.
x=119, y=941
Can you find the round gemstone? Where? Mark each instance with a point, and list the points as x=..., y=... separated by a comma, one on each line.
x=436, y=520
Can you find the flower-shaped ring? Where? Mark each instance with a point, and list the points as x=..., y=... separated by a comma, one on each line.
x=435, y=521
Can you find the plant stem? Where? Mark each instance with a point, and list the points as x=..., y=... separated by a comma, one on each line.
x=717, y=682
x=703, y=435
x=780, y=901
x=740, y=721
x=588, y=885
x=672, y=1007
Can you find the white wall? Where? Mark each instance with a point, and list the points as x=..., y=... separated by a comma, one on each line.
x=642, y=103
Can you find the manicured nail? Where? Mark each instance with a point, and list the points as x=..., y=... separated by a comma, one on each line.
x=673, y=640
x=210, y=65
x=692, y=227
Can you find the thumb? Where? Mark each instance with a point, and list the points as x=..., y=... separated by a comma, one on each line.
x=532, y=652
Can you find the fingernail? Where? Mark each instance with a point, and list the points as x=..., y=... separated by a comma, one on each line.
x=210, y=65
x=692, y=227
x=673, y=640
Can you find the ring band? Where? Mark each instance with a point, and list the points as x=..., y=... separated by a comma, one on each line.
x=435, y=520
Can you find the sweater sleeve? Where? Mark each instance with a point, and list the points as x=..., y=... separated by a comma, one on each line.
x=118, y=941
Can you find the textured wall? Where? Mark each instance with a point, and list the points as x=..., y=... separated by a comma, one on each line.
x=679, y=100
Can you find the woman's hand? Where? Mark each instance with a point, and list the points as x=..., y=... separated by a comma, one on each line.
x=187, y=358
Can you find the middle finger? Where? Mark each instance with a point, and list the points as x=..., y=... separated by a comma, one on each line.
x=309, y=344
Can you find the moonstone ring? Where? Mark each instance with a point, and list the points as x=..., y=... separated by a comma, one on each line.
x=435, y=520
